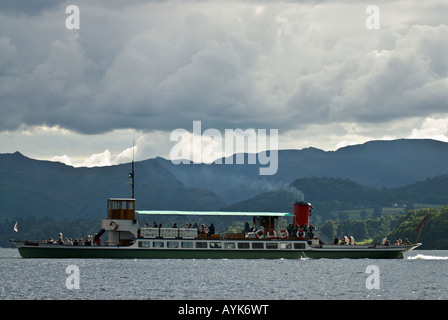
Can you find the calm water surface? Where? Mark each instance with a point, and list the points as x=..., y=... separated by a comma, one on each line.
x=421, y=275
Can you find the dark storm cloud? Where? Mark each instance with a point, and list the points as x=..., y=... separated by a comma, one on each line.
x=26, y=7
x=161, y=65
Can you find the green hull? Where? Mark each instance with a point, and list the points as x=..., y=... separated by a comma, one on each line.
x=355, y=254
x=132, y=252
x=128, y=253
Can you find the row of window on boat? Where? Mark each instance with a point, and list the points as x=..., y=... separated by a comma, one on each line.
x=219, y=245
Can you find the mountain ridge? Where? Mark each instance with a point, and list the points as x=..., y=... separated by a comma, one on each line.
x=389, y=163
x=45, y=188
x=51, y=189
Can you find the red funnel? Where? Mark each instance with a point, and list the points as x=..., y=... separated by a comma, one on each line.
x=302, y=212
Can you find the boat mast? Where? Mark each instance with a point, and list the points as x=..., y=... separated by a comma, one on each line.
x=131, y=174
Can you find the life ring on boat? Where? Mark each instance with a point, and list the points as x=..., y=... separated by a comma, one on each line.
x=273, y=235
x=113, y=224
x=259, y=234
x=300, y=234
x=284, y=234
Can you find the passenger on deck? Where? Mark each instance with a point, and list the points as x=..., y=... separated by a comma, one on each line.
x=60, y=241
x=311, y=231
x=97, y=240
x=290, y=229
x=336, y=240
x=196, y=226
x=203, y=229
x=406, y=241
x=211, y=229
x=175, y=225
x=154, y=225
x=75, y=243
x=305, y=228
x=351, y=240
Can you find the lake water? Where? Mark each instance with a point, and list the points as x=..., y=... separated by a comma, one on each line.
x=421, y=275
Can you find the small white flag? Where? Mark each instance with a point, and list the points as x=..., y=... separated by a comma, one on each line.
x=16, y=226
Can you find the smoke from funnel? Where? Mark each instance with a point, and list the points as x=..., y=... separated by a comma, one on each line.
x=298, y=194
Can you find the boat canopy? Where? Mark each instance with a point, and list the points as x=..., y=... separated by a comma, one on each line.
x=215, y=213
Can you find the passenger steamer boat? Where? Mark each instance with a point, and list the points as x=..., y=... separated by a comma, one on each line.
x=126, y=239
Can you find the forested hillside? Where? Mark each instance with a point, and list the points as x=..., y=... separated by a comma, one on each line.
x=362, y=230
x=428, y=226
x=433, y=232
x=342, y=199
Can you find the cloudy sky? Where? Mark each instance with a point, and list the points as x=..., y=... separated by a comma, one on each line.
x=137, y=70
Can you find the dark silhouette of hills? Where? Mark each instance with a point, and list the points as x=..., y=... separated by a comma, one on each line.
x=51, y=189
x=336, y=194
x=363, y=172
x=379, y=164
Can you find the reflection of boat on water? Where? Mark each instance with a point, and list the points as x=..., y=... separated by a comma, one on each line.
x=126, y=239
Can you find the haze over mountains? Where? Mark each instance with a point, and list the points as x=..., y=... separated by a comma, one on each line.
x=377, y=164
x=50, y=189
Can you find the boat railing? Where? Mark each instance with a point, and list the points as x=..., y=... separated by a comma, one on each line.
x=193, y=233
x=169, y=233
x=322, y=237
